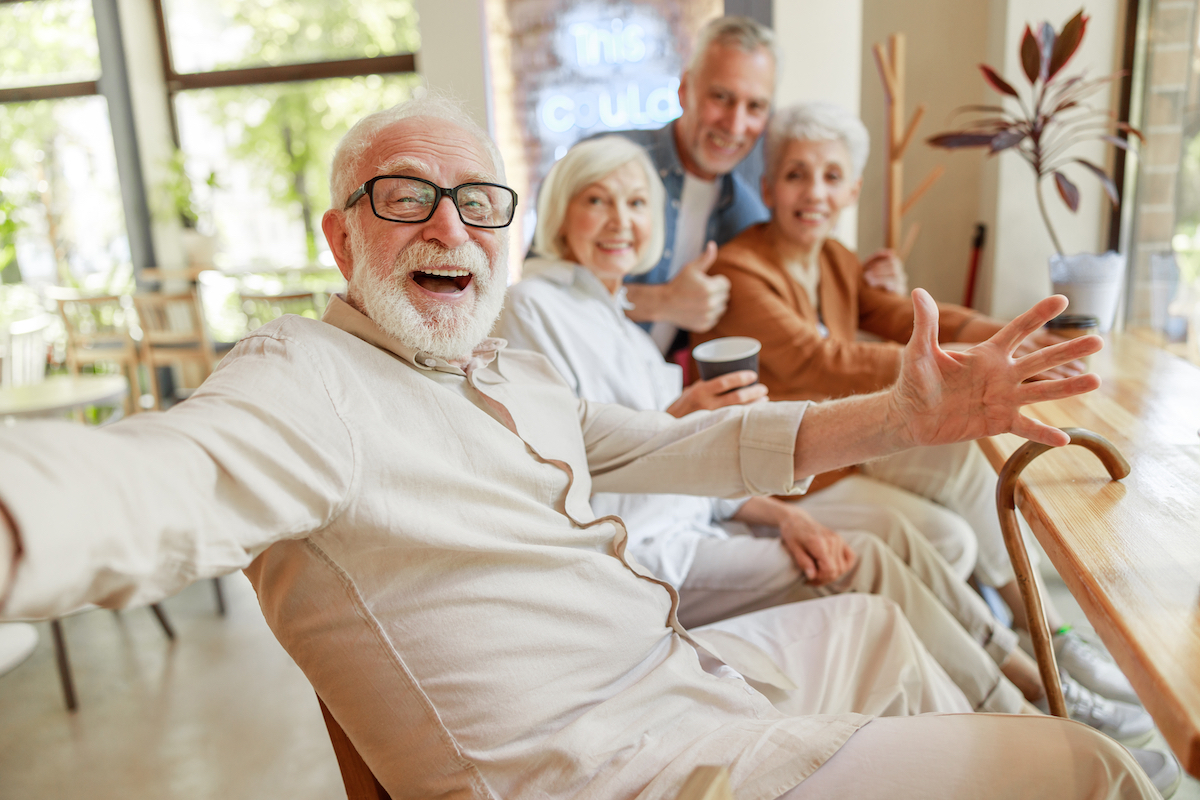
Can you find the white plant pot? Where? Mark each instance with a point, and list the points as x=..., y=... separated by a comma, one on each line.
x=1092, y=282
x=198, y=248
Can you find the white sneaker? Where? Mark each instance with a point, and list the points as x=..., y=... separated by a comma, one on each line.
x=1125, y=722
x=1162, y=769
x=1086, y=664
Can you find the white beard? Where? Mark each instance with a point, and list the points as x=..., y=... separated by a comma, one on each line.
x=447, y=331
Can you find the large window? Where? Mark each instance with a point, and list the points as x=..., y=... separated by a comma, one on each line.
x=61, y=219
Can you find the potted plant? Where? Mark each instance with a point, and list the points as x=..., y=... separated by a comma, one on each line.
x=180, y=195
x=1042, y=129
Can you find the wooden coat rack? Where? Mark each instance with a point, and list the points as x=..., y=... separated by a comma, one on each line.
x=891, y=70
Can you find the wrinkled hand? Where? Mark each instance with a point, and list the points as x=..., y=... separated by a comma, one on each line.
x=884, y=270
x=731, y=389
x=696, y=300
x=1044, y=338
x=820, y=553
x=943, y=397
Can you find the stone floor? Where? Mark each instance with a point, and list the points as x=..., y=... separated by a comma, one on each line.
x=221, y=714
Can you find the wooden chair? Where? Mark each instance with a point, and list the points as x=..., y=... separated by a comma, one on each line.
x=705, y=782
x=23, y=352
x=98, y=331
x=361, y=783
x=174, y=334
x=262, y=308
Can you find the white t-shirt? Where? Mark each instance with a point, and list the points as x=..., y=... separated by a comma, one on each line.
x=695, y=206
x=809, y=278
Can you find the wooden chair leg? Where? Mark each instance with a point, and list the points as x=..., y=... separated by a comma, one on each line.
x=64, y=666
x=219, y=593
x=163, y=621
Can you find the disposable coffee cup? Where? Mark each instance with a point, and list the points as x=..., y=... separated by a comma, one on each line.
x=729, y=354
x=1072, y=326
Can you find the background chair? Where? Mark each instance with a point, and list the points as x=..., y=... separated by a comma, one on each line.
x=262, y=308
x=23, y=350
x=98, y=331
x=174, y=334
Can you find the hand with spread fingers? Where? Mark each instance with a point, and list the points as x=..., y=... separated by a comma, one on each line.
x=942, y=397
x=734, y=388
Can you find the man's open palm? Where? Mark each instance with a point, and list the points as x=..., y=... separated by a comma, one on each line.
x=943, y=397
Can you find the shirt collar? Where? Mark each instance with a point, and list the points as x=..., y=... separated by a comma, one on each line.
x=568, y=274
x=341, y=314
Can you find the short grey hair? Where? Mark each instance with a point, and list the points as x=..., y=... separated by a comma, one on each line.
x=351, y=150
x=816, y=122
x=584, y=164
x=742, y=32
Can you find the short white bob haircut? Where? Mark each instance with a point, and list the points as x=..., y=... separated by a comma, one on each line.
x=583, y=165
x=352, y=149
x=816, y=122
x=742, y=32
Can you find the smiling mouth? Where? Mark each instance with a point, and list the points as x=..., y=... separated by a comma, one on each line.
x=442, y=281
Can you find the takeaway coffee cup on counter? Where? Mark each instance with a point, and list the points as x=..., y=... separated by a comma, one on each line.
x=729, y=354
x=1072, y=326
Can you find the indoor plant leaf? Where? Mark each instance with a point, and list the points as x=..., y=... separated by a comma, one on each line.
x=1006, y=139
x=1067, y=43
x=996, y=82
x=1110, y=188
x=1067, y=190
x=953, y=141
x=1030, y=56
x=1046, y=39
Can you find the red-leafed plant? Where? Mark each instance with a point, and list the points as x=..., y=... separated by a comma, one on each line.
x=1054, y=118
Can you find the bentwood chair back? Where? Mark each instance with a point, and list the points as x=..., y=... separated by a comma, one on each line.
x=262, y=308
x=174, y=334
x=361, y=783
x=98, y=331
x=23, y=352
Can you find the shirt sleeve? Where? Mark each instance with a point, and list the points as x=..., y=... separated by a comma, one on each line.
x=130, y=513
x=731, y=452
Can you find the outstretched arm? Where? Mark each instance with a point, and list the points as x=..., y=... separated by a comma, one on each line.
x=943, y=397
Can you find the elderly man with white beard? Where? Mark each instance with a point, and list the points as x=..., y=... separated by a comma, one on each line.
x=410, y=502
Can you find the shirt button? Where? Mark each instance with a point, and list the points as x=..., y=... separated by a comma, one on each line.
x=666, y=253
x=674, y=204
x=429, y=362
x=662, y=172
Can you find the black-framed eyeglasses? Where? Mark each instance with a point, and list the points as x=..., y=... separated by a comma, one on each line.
x=399, y=198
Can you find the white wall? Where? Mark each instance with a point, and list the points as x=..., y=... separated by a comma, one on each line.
x=820, y=43
x=453, y=55
x=1015, y=273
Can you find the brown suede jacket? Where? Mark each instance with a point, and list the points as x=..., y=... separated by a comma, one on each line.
x=796, y=363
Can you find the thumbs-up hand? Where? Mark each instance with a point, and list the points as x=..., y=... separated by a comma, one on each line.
x=694, y=299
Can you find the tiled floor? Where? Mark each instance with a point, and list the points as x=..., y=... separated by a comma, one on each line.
x=222, y=714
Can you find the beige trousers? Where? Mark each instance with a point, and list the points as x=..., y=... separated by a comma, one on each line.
x=851, y=653
x=742, y=574
x=977, y=756
x=959, y=478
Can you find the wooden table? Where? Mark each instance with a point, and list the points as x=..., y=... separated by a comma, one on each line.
x=61, y=393
x=1129, y=550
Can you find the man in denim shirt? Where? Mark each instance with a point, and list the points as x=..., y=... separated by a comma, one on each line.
x=726, y=95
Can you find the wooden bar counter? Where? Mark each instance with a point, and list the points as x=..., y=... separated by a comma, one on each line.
x=1129, y=550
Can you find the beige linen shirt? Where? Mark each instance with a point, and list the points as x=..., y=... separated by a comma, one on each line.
x=422, y=545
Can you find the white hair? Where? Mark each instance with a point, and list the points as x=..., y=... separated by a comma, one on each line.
x=743, y=32
x=816, y=122
x=353, y=147
x=584, y=164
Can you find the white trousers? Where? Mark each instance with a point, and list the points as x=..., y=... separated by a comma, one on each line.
x=850, y=653
x=977, y=757
x=949, y=494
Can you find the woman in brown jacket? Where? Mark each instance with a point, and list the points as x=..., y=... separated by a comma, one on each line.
x=806, y=297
